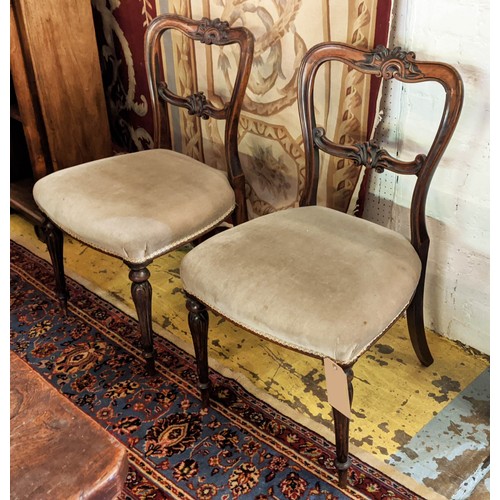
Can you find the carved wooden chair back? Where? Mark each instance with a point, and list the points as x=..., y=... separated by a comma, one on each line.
x=386, y=64
x=301, y=277
x=209, y=32
x=144, y=204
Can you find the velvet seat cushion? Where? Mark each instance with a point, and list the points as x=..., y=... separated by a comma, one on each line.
x=312, y=278
x=138, y=205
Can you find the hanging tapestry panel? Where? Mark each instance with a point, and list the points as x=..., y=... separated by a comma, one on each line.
x=269, y=136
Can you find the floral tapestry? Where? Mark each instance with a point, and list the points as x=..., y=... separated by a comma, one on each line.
x=270, y=140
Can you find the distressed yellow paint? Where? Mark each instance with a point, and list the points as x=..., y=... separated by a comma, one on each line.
x=394, y=396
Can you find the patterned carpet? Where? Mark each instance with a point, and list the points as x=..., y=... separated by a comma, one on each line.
x=394, y=396
x=408, y=416
x=240, y=448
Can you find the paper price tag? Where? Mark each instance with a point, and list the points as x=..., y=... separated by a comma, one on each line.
x=336, y=387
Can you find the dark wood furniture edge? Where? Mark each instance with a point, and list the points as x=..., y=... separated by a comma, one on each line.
x=21, y=200
x=72, y=422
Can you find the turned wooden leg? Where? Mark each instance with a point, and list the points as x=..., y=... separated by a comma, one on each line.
x=415, y=320
x=142, y=296
x=343, y=461
x=198, y=325
x=53, y=237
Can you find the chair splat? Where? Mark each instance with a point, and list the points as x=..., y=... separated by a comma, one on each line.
x=369, y=154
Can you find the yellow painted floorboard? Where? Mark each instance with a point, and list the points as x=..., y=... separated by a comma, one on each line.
x=394, y=396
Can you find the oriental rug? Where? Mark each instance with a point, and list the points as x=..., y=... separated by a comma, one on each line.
x=239, y=448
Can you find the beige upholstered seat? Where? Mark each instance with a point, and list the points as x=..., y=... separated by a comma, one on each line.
x=311, y=277
x=317, y=280
x=140, y=205
x=136, y=206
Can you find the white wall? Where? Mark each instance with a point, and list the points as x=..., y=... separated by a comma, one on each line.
x=457, y=288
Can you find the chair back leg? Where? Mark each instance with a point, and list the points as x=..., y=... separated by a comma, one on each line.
x=240, y=213
x=415, y=320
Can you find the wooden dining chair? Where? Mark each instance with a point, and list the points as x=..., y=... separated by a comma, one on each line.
x=141, y=205
x=318, y=280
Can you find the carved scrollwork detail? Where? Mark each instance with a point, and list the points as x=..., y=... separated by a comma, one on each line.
x=392, y=62
x=371, y=155
x=318, y=133
x=212, y=31
x=163, y=91
x=197, y=104
x=419, y=162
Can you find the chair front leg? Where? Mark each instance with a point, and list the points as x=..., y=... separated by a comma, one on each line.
x=142, y=296
x=341, y=422
x=53, y=237
x=198, y=325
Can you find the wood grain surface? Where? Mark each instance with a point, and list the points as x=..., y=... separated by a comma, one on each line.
x=56, y=451
x=59, y=44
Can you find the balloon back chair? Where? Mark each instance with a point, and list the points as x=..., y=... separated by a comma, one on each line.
x=315, y=279
x=138, y=206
